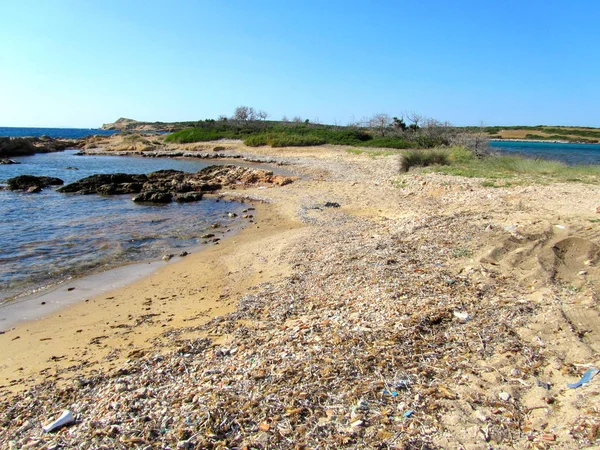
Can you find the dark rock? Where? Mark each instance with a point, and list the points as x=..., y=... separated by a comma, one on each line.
x=184, y=253
x=8, y=161
x=30, y=145
x=153, y=197
x=26, y=182
x=331, y=205
x=208, y=236
x=16, y=147
x=107, y=184
x=188, y=197
x=120, y=188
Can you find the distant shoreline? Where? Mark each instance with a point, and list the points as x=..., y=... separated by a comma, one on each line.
x=548, y=141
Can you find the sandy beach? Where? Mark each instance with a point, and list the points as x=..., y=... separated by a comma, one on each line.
x=362, y=309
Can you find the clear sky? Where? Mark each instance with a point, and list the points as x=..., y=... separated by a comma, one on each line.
x=80, y=63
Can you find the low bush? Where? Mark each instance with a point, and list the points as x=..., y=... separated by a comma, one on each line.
x=256, y=140
x=424, y=158
x=283, y=140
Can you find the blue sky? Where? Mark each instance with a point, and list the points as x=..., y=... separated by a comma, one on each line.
x=80, y=63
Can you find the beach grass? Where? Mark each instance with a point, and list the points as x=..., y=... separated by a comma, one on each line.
x=459, y=161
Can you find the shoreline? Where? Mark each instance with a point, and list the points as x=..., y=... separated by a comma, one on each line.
x=67, y=329
x=548, y=141
x=50, y=300
x=383, y=310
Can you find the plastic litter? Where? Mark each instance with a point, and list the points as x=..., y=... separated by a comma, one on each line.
x=65, y=418
x=544, y=385
x=408, y=413
x=586, y=378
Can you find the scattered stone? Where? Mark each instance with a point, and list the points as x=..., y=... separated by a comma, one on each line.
x=207, y=236
x=8, y=161
x=184, y=253
x=231, y=215
x=167, y=257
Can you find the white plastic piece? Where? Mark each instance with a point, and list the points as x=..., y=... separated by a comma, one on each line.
x=65, y=418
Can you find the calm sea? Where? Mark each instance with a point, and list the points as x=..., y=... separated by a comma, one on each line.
x=568, y=153
x=69, y=133
x=49, y=237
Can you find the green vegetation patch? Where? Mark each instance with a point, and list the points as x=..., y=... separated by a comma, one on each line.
x=495, y=167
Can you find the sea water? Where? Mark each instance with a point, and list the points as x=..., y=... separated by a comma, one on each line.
x=567, y=153
x=67, y=133
x=49, y=237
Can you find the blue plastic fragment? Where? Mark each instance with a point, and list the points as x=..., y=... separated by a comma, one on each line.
x=586, y=378
x=408, y=413
x=392, y=393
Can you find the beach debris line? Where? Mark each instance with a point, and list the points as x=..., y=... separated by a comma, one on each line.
x=165, y=186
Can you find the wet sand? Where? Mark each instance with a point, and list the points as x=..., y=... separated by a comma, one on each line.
x=101, y=331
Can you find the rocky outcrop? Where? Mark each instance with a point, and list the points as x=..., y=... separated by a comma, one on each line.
x=121, y=124
x=28, y=146
x=164, y=186
x=107, y=184
x=8, y=161
x=154, y=197
x=31, y=183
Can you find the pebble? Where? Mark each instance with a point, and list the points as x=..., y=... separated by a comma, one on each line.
x=504, y=396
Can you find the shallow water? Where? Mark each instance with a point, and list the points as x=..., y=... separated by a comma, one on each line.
x=49, y=237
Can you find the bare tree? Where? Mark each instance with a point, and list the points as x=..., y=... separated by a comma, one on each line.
x=284, y=119
x=297, y=119
x=222, y=118
x=415, y=118
x=380, y=123
x=241, y=113
x=262, y=115
x=244, y=113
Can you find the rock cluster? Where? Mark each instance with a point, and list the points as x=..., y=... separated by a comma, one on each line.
x=10, y=146
x=31, y=183
x=164, y=186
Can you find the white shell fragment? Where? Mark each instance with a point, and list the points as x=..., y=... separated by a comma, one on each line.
x=65, y=418
x=461, y=315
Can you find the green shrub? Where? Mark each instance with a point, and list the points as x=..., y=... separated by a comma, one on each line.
x=256, y=140
x=283, y=140
x=424, y=158
x=190, y=135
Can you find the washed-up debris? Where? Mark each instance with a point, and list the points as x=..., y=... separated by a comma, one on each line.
x=586, y=378
x=461, y=315
x=65, y=418
x=365, y=309
x=543, y=384
x=504, y=396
